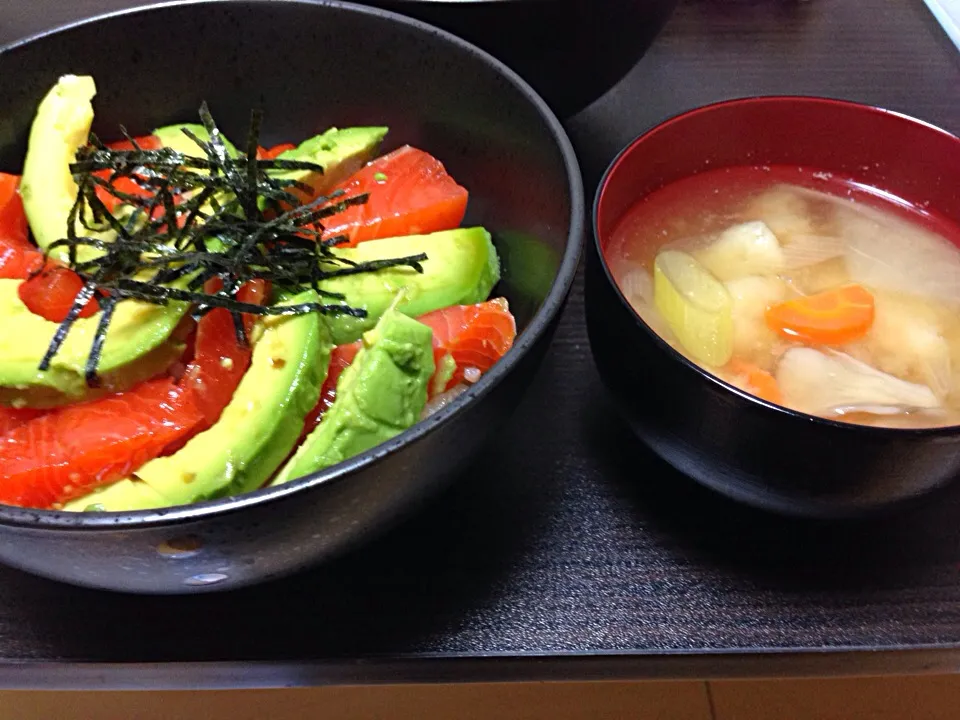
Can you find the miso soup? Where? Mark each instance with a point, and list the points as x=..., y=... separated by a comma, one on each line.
x=805, y=289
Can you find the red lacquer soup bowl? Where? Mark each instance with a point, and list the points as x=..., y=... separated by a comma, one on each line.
x=744, y=447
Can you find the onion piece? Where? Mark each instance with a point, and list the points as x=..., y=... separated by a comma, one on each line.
x=810, y=249
x=886, y=252
x=636, y=283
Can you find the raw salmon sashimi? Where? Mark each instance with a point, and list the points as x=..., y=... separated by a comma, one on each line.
x=68, y=452
x=50, y=293
x=11, y=417
x=474, y=336
x=125, y=184
x=17, y=255
x=340, y=359
x=410, y=193
x=13, y=221
x=218, y=360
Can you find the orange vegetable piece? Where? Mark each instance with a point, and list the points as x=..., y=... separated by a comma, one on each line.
x=756, y=380
x=410, y=193
x=71, y=450
x=832, y=317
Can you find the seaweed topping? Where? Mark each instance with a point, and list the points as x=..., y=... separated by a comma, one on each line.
x=201, y=218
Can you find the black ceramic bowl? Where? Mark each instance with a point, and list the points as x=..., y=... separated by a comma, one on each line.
x=329, y=64
x=571, y=51
x=743, y=447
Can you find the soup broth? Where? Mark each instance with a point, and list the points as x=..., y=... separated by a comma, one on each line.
x=806, y=289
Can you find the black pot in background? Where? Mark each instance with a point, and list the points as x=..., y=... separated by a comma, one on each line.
x=571, y=51
x=337, y=65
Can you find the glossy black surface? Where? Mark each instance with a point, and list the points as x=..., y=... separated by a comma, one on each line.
x=571, y=551
x=571, y=51
x=343, y=66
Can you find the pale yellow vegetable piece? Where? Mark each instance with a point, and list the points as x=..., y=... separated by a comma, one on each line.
x=784, y=209
x=908, y=340
x=753, y=340
x=695, y=305
x=742, y=250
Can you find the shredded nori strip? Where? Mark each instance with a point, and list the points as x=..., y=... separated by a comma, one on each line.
x=201, y=218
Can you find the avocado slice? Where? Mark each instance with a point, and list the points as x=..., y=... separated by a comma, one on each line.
x=136, y=346
x=380, y=395
x=461, y=268
x=173, y=137
x=60, y=127
x=256, y=432
x=126, y=495
x=340, y=152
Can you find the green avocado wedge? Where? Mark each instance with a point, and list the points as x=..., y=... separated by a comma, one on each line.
x=340, y=152
x=60, y=127
x=381, y=394
x=174, y=137
x=136, y=347
x=254, y=435
x=461, y=268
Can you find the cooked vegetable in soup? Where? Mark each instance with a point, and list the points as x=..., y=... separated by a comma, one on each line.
x=804, y=289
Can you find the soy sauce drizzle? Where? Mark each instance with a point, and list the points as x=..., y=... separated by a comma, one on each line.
x=201, y=218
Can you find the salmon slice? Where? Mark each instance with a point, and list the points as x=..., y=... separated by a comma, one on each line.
x=475, y=336
x=70, y=451
x=125, y=184
x=11, y=418
x=410, y=194
x=50, y=293
x=340, y=359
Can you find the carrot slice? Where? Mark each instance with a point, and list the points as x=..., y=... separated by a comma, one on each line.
x=832, y=317
x=756, y=380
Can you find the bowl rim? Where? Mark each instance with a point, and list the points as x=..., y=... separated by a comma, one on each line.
x=609, y=176
x=539, y=324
